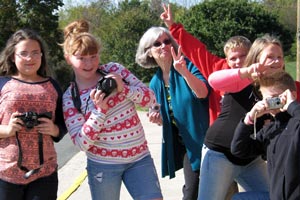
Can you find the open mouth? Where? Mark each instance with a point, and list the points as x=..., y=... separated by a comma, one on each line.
x=88, y=70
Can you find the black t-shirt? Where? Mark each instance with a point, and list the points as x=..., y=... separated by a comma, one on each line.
x=234, y=107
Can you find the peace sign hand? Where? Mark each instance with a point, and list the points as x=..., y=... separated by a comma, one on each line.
x=166, y=16
x=256, y=70
x=179, y=61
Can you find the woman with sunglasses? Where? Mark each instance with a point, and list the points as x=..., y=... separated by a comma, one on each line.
x=182, y=92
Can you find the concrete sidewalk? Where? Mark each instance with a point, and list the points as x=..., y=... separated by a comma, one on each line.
x=70, y=173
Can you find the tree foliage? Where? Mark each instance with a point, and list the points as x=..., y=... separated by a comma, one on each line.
x=286, y=10
x=9, y=21
x=119, y=28
x=127, y=24
x=40, y=15
x=214, y=21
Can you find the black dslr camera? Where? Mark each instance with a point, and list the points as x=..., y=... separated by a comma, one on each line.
x=30, y=119
x=106, y=85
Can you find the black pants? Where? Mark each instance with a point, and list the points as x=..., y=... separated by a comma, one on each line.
x=191, y=181
x=41, y=189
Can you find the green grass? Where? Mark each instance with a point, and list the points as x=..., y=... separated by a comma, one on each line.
x=139, y=108
x=290, y=67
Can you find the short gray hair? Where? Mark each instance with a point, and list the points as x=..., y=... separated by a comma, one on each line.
x=149, y=37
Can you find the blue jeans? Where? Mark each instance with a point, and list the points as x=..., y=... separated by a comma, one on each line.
x=140, y=179
x=217, y=173
x=251, y=196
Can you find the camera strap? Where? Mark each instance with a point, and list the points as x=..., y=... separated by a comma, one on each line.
x=28, y=172
x=76, y=96
x=75, y=91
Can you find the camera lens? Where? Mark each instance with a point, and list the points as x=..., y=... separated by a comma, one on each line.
x=107, y=85
x=30, y=124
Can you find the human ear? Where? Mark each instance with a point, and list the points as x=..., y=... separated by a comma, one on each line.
x=67, y=58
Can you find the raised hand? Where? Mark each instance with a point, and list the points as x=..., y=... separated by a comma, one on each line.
x=258, y=69
x=287, y=97
x=179, y=61
x=259, y=109
x=166, y=16
x=196, y=84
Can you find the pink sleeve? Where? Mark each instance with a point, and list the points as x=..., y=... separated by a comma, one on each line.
x=228, y=80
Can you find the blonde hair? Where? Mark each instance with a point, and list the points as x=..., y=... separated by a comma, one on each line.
x=236, y=42
x=77, y=39
x=258, y=46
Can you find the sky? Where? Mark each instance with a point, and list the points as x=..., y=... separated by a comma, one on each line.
x=76, y=2
x=186, y=3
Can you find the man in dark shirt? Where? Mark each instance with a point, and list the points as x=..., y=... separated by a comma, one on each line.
x=279, y=140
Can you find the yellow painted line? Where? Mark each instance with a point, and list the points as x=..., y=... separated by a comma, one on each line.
x=73, y=187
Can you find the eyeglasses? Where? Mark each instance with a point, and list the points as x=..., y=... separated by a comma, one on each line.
x=26, y=55
x=158, y=43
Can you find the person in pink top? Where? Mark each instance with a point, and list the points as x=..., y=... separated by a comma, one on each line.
x=265, y=57
x=235, y=49
x=234, y=80
x=100, y=114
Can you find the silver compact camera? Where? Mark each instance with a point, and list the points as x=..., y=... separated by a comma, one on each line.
x=154, y=108
x=274, y=103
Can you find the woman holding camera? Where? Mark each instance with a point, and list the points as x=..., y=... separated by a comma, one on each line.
x=31, y=120
x=182, y=92
x=106, y=125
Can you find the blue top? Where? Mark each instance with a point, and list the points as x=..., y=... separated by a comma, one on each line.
x=190, y=114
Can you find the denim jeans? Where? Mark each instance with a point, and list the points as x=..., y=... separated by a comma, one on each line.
x=217, y=173
x=140, y=179
x=251, y=196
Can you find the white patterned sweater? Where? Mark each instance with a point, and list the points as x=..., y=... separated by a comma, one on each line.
x=115, y=136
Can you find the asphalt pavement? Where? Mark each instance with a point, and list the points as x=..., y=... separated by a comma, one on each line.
x=73, y=183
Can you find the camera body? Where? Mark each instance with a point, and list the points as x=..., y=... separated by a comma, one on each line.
x=274, y=103
x=154, y=108
x=30, y=119
x=106, y=85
